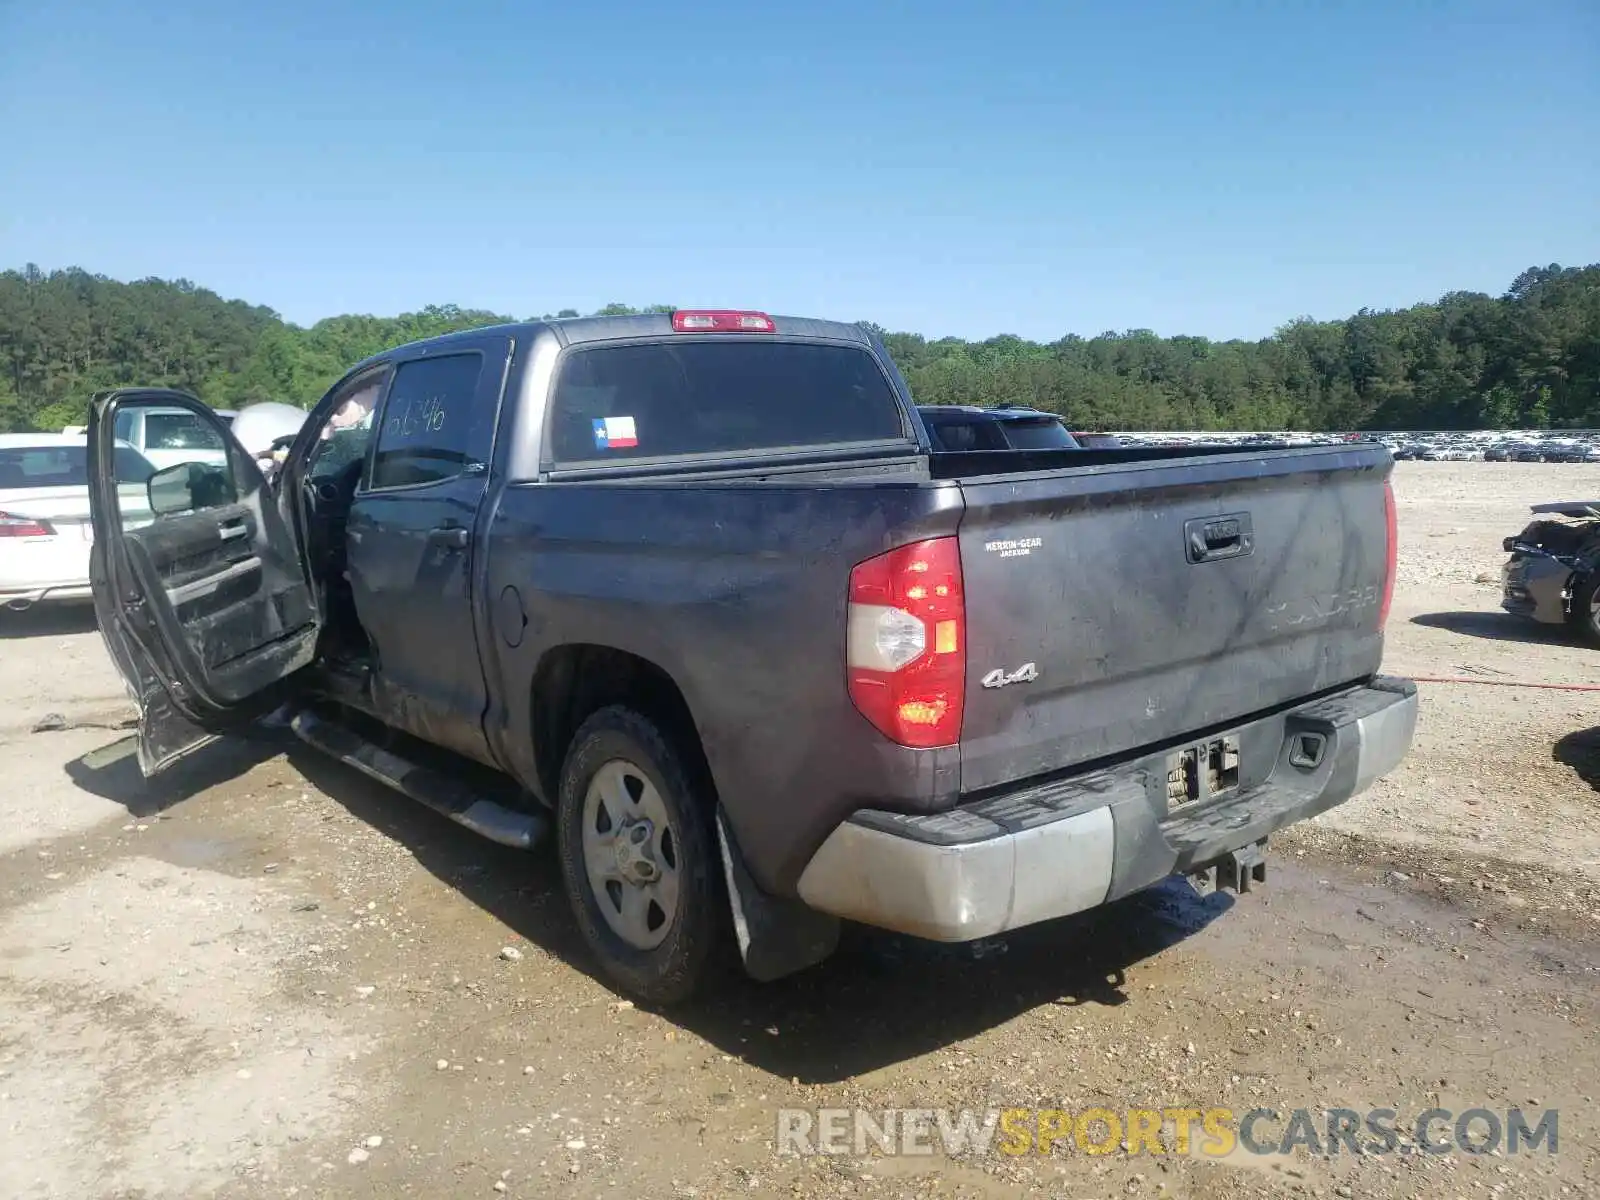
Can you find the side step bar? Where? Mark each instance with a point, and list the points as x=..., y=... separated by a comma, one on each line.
x=439, y=792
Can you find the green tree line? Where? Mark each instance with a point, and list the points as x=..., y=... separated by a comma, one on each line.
x=1527, y=359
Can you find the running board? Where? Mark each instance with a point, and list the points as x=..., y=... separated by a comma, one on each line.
x=439, y=792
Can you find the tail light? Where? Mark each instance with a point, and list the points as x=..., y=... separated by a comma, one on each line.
x=12, y=526
x=1391, y=551
x=906, y=643
x=721, y=321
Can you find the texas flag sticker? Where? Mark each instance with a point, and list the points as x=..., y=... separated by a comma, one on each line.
x=614, y=433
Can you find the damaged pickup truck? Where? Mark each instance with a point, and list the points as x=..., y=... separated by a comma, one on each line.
x=1553, y=574
x=693, y=593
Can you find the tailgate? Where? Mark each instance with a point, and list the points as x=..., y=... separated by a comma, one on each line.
x=1111, y=608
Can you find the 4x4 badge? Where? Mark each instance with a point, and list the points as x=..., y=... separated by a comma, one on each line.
x=998, y=677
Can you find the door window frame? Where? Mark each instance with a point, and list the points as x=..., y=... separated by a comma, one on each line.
x=289, y=486
x=485, y=359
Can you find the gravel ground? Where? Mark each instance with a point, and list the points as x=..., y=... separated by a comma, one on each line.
x=266, y=976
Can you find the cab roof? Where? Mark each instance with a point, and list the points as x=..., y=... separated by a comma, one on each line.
x=572, y=331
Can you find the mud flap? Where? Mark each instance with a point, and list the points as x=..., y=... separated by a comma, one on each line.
x=777, y=937
x=1236, y=871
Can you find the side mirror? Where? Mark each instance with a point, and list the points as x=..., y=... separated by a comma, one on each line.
x=189, y=486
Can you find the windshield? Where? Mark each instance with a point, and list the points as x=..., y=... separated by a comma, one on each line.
x=64, y=466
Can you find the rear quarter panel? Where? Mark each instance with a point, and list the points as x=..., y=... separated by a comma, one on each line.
x=737, y=591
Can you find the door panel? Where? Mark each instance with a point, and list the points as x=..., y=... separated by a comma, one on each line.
x=412, y=544
x=232, y=606
x=198, y=585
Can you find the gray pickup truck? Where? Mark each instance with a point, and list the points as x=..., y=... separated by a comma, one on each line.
x=692, y=591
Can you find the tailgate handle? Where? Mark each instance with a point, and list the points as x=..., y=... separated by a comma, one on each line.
x=1207, y=539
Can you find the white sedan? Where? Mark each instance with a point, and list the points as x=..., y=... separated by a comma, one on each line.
x=45, y=534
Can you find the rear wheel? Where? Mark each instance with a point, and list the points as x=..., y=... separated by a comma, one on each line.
x=1583, y=611
x=639, y=858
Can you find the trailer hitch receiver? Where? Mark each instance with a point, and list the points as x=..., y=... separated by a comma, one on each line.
x=1237, y=871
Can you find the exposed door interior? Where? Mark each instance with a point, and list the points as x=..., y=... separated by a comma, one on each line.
x=327, y=484
x=205, y=577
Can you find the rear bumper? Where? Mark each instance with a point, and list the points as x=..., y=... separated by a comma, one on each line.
x=1062, y=847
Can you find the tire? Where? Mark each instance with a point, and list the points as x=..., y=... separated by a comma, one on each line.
x=622, y=782
x=1582, y=613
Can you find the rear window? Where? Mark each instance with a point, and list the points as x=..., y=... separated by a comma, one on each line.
x=177, y=431
x=1042, y=434
x=64, y=466
x=725, y=396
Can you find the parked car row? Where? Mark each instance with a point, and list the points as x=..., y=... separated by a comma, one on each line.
x=1553, y=452
x=1578, y=446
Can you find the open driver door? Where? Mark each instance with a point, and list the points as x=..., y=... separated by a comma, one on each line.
x=198, y=585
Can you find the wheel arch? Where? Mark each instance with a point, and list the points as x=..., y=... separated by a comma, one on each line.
x=573, y=681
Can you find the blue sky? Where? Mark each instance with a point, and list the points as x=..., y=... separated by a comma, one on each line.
x=968, y=169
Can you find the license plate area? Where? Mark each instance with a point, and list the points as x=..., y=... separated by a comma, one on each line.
x=1202, y=772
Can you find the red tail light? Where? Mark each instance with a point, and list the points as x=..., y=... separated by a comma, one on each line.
x=906, y=643
x=721, y=321
x=13, y=526
x=1391, y=534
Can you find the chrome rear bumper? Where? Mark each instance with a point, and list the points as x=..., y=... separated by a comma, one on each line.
x=1063, y=847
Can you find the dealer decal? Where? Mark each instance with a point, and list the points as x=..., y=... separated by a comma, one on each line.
x=1014, y=547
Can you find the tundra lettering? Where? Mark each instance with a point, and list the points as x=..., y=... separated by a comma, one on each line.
x=1318, y=609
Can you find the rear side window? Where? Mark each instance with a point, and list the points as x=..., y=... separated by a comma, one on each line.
x=954, y=435
x=978, y=434
x=428, y=421
x=725, y=396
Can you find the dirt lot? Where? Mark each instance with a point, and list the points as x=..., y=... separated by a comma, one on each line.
x=269, y=977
